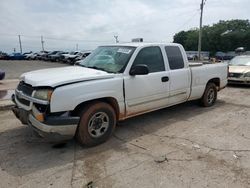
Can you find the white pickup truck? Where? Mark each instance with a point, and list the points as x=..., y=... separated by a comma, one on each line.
x=114, y=83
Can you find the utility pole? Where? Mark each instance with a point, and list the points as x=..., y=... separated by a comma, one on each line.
x=200, y=32
x=76, y=47
x=20, y=44
x=42, y=41
x=116, y=39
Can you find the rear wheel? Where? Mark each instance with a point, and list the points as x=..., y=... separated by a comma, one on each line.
x=96, y=125
x=210, y=95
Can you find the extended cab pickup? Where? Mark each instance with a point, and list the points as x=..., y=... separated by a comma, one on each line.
x=114, y=83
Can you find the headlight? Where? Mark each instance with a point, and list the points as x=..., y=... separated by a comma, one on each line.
x=247, y=74
x=43, y=94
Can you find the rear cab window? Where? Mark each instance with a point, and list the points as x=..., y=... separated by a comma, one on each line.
x=175, y=58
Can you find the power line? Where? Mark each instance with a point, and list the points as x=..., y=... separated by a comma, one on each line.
x=60, y=39
x=75, y=40
x=188, y=21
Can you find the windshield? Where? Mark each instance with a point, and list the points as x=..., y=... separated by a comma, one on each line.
x=240, y=61
x=109, y=58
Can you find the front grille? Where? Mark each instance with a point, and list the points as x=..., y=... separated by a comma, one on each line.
x=23, y=101
x=235, y=75
x=25, y=88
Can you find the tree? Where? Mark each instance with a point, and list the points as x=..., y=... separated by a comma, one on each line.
x=222, y=36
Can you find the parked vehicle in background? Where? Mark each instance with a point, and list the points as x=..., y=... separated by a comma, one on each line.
x=67, y=58
x=16, y=56
x=4, y=56
x=240, y=50
x=222, y=56
x=27, y=53
x=40, y=54
x=31, y=56
x=114, y=83
x=2, y=74
x=193, y=55
x=46, y=56
x=81, y=57
x=239, y=70
x=219, y=55
x=58, y=56
x=229, y=55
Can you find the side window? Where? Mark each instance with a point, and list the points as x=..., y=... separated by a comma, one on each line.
x=175, y=58
x=152, y=57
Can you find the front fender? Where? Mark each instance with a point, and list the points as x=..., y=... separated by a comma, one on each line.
x=66, y=98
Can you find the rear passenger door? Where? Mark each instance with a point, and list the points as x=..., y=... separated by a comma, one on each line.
x=179, y=75
x=147, y=92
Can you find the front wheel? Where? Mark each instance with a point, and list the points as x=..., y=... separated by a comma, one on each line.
x=210, y=95
x=96, y=125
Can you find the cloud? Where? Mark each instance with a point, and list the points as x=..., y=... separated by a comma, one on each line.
x=63, y=23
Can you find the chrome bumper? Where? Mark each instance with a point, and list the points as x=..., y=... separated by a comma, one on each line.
x=44, y=130
x=232, y=80
x=54, y=128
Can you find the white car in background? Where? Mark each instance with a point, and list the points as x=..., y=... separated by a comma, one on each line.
x=82, y=55
x=239, y=70
x=31, y=56
x=67, y=58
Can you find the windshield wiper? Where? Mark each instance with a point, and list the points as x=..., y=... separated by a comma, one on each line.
x=97, y=68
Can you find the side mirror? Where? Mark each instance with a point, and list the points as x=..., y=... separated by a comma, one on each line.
x=139, y=69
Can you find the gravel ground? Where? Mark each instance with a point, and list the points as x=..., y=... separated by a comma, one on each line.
x=13, y=69
x=181, y=146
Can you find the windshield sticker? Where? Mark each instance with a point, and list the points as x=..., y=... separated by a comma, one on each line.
x=124, y=50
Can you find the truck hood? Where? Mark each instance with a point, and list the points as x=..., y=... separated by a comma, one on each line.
x=58, y=76
x=239, y=69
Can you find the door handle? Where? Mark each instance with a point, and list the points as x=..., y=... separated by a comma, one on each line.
x=165, y=79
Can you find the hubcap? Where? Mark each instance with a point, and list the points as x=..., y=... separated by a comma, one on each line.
x=98, y=124
x=210, y=96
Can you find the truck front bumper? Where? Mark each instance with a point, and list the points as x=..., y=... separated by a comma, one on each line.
x=55, y=132
x=53, y=128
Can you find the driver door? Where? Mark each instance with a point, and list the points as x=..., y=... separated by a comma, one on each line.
x=147, y=92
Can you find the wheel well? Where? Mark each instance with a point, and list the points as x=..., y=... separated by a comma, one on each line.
x=216, y=81
x=110, y=100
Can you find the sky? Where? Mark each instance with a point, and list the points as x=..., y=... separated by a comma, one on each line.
x=66, y=24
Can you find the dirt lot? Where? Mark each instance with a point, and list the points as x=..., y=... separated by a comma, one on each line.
x=181, y=146
x=14, y=69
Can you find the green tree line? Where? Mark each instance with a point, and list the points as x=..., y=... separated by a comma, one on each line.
x=223, y=36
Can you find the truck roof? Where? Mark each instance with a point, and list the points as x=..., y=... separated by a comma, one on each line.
x=139, y=44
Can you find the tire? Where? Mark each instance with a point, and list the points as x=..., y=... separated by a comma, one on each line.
x=97, y=123
x=210, y=95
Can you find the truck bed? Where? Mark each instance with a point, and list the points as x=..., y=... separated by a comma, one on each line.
x=199, y=63
x=202, y=72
